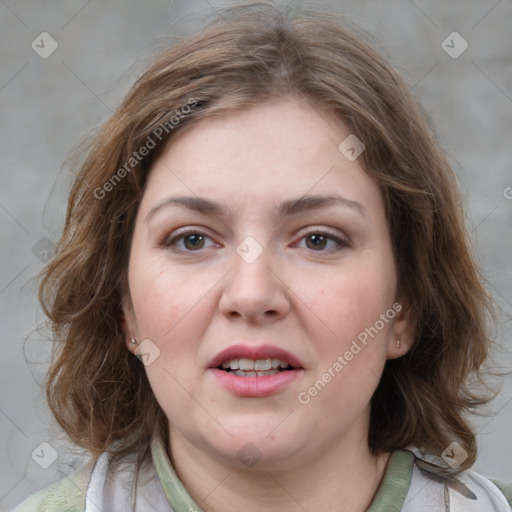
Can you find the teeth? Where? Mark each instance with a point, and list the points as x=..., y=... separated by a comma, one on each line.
x=254, y=374
x=263, y=364
x=251, y=365
x=246, y=364
x=233, y=364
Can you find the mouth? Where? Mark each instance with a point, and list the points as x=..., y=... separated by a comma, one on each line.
x=254, y=361
x=251, y=368
x=250, y=371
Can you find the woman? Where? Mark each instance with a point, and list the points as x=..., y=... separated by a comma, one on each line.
x=264, y=295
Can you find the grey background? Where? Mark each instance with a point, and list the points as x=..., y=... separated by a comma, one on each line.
x=48, y=105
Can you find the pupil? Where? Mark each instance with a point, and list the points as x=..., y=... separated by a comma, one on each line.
x=318, y=238
x=196, y=240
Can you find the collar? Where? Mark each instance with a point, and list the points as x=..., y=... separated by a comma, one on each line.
x=390, y=495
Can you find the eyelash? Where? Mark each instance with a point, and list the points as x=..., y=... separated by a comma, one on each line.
x=168, y=242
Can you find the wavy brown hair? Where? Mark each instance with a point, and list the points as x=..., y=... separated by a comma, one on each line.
x=99, y=392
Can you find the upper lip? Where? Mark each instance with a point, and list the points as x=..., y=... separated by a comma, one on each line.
x=254, y=352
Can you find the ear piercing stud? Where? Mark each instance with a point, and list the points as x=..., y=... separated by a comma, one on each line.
x=397, y=343
x=133, y=340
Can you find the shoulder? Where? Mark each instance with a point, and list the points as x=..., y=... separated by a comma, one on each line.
x=491, y=491
x=504, y=487
x=65, y=495
x=99, y=486
x=467, y=491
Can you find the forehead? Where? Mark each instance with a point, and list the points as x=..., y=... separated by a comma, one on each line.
x=273, y=152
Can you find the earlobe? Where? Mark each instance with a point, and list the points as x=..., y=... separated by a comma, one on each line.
x=128, y=326
x=402, y=334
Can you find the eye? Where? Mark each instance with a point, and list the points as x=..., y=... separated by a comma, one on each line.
x=319, y=240
x=193, y=240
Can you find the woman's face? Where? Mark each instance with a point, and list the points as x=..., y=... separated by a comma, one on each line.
x=291, y=267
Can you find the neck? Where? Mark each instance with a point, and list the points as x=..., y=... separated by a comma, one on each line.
x=344, y=478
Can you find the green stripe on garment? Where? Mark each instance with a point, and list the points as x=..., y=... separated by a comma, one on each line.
x=395, y=484
x=174, y=490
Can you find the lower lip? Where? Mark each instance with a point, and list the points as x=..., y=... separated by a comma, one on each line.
x=256, y=386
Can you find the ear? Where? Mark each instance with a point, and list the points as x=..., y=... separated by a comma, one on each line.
x=128, y=324
x=402, y=332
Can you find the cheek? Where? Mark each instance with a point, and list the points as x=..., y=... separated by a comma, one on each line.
x=351, y=298
x=171, y=312
x=164, y=296
x=351, y=358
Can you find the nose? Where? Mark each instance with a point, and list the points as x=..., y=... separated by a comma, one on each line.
x=255, y=290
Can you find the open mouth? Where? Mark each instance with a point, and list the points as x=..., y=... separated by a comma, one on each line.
x=244, y=367
x=247, y=370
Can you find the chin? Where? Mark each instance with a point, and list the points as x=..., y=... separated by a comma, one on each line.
x=262, y=444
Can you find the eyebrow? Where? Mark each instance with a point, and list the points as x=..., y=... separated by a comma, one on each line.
x=287, y=208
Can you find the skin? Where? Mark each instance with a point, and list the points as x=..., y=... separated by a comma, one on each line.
x=310, y=299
